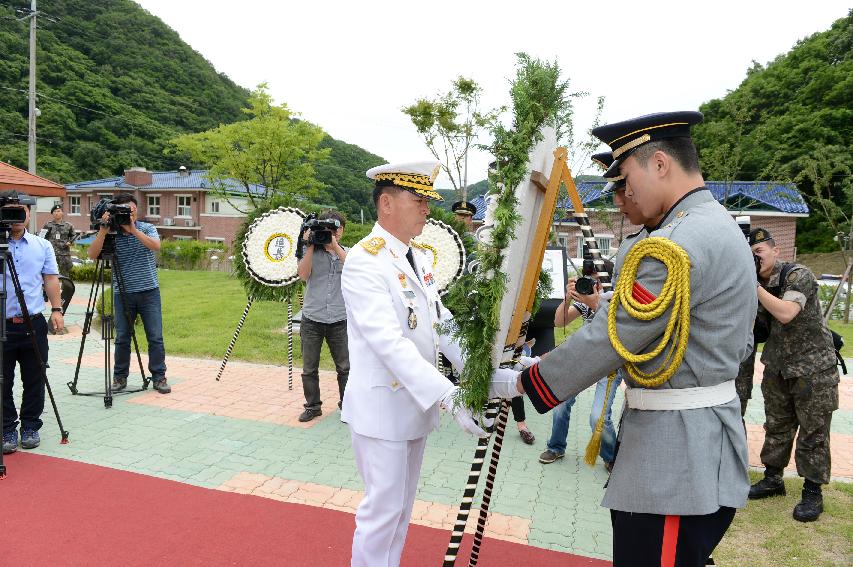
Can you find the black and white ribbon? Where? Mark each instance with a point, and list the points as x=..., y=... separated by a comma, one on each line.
x=234, y=338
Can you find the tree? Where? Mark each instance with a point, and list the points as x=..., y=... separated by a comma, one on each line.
x=449, y=124
x=832, y=193
x=783, y=111
x=272, y=149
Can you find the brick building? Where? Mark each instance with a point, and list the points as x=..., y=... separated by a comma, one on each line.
x=774, y=206
x=179, y=203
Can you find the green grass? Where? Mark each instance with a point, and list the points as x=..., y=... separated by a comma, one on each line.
x=201, y=311
x=764, y=534
x=845, y=331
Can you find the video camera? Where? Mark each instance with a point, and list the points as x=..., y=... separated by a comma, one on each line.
x=320, y=232
x=119, y=215
x=744, y=223
x=10, y=215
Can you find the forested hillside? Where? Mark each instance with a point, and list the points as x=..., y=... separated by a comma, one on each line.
x=786, y=116
x=114, y=84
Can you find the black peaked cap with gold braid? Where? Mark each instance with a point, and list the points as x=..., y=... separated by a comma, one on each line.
x=464, y=208
x=415, y=177
x=624, y=137
x=614, y=178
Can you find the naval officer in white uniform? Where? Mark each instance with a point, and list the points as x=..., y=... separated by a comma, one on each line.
x=394, y=392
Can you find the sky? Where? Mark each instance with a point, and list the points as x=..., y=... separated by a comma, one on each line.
x=351, y=66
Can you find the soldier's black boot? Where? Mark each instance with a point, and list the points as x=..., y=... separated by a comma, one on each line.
x=811, y=505
x=767, y=486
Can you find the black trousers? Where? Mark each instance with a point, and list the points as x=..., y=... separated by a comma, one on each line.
x=517, y=405
x=19, y=350
x=312, y=334
x=653, y=540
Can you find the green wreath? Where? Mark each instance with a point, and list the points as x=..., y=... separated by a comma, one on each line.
x=539, y=99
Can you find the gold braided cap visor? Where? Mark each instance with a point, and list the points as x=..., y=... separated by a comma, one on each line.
x=421, y=184
x=637, y=142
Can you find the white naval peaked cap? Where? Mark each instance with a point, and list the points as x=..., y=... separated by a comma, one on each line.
x=416, y=177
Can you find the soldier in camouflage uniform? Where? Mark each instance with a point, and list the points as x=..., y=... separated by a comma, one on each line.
x=800, y=384
x=60, y=234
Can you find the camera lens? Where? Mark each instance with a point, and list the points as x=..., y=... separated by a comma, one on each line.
x=585, y=286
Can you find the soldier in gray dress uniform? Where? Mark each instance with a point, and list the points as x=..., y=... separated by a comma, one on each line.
x=681, y=467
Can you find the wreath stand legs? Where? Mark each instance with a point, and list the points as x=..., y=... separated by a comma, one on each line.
x=234, y=338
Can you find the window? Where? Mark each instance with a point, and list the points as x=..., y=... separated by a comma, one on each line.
x=74, y=205
x=215, y=239
x=107, y=196
x=602, y=241
x=183, y=237
x=153, y=205
x=184, y=207
x=214, y=206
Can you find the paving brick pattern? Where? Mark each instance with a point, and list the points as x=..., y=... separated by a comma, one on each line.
x=241, y=434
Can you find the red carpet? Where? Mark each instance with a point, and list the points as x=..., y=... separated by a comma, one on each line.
x=57, y=512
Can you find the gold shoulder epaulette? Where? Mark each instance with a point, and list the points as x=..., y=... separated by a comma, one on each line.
x=374, y=245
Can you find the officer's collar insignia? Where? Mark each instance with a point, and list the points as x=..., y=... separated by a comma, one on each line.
x=679, y=214
x=374, y=245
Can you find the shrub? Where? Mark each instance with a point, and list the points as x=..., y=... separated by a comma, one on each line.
x=188, y=254
x=86, y=273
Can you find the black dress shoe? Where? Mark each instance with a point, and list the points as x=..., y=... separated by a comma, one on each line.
x=810, y=507
x=767, y=486
x=309, y=414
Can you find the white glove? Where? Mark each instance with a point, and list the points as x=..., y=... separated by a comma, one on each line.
x=462, y=415
x=525, y=362
x=504, y=384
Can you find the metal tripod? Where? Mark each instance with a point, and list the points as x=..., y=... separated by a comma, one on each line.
x=107, y=260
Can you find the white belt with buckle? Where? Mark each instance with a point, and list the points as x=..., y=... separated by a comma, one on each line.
x=681, y=398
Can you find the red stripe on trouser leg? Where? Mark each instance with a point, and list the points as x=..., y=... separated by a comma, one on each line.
x=670, y=541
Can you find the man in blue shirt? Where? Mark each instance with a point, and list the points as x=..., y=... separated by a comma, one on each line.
x=135, y=245
x=35, y=264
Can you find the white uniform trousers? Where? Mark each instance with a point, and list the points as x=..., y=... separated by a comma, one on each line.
x=390, y=471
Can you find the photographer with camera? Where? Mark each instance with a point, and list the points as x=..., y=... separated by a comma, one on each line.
x=135, y=244
x=800, y=382
x=583, y=296
x=324, y=315
x=35, y=264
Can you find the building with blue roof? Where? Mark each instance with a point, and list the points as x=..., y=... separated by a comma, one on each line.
x=771, y=205
x=179, y=203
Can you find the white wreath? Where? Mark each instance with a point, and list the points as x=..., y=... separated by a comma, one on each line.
x=447, y=250
x=269, y=248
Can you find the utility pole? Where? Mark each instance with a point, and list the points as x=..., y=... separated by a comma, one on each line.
x=31, y=137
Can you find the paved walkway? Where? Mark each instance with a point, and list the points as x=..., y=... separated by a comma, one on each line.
x=241, y=435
